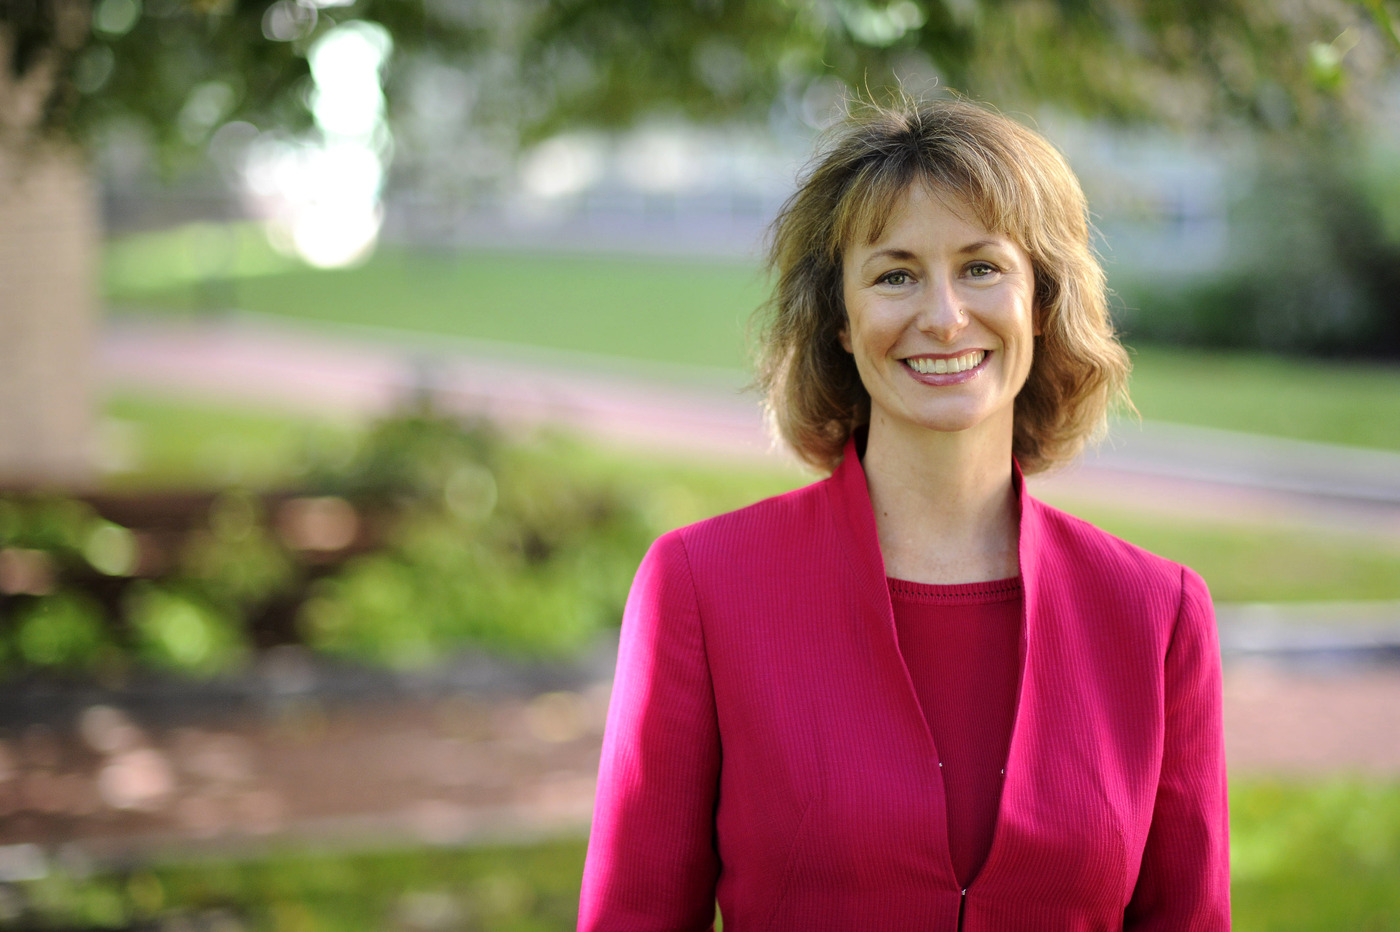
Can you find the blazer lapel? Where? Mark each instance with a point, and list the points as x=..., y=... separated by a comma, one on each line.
x=1019, y=781
x=851, y=500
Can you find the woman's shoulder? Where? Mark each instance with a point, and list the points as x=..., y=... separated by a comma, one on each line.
x=794, y=510
x=791, y=519
x=1077, y=543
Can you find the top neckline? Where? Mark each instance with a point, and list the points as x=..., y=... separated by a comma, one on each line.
x=994, y=590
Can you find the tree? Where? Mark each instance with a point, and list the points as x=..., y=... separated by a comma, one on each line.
x=47, y=240
x=178, y=70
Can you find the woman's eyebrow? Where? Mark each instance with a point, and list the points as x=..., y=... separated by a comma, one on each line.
x=904, y=255
x=889, y=252
x=980, y=245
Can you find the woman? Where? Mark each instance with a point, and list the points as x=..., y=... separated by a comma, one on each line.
x=910, y=696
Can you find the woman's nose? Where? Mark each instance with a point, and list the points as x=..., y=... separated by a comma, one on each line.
x=942, y=317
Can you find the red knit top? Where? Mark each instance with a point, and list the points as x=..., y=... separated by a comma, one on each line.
x=960, y=644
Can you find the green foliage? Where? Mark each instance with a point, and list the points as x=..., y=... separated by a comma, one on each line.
x=182, y=630
x=459, y=537
x=178, y=70
x=63, y=631
x=181, y=69
x=238, y=558
x=430, y=536
x=1315, y=266
x=504, y=888
x=1305, y=856
x=491, y=544
x=413, y=457
x=59, y=525
x=74, y=605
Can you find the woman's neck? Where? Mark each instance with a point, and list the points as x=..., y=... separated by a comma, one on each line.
x=944, y=502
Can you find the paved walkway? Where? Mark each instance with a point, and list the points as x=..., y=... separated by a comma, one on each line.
x=114, y=778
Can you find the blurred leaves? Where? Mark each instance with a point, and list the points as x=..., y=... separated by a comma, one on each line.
x=181, y=69
x=182, y=630
x=489, y=544
x=1387, y=22
x=64, y=631
x=1282, y=879
x=431, y=536
x=237, y=557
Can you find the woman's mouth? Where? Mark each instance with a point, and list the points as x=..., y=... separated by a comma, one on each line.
x=954, y=365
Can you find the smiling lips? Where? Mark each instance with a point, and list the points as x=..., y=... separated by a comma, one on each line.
x=946, y=366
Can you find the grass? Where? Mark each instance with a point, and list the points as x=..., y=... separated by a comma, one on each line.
x=1305, y=856
x=1319, y=856
x=508, y=888
x=692, y=312
x=1247, y=562
x=154, y=442
x=672, y=311
x=1329, y=402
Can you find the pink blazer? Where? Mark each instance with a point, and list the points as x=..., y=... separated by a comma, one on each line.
x=765, y=746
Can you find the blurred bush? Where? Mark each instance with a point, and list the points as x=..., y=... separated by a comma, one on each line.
x=1314, y=265
x=431, y=536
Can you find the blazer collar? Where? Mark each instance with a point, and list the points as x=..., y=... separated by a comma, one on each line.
x=852, y=500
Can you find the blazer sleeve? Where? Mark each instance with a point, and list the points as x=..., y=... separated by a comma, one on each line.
x=1184, y=880
x=652, y=862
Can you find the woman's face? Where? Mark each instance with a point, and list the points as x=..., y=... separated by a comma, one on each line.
x=940, y=317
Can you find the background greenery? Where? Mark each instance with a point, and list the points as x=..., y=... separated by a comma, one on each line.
x=1311, y=267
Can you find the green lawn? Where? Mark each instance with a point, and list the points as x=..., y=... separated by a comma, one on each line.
x=1305, y=856
x=690, y=312
x=161, y=442
x=668, y=310
x=1243, y=562
x=1330, y=402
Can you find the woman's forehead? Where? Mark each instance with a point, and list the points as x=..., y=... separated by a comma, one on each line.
x=921, y=194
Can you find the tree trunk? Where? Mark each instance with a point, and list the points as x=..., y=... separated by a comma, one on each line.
x=48, y=250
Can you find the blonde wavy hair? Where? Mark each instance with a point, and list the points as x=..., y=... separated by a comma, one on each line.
x=1019, y=186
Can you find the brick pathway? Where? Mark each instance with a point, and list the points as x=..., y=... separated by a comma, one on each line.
x=459, y=768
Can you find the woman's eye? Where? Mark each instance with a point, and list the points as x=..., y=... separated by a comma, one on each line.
x=981, y=269
x=895, y=278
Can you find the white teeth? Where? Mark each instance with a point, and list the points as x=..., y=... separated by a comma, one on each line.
x=945, y=366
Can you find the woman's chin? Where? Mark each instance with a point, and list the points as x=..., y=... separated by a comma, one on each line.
x=947, y=419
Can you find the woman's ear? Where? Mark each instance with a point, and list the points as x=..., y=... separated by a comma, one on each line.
x=844, y=334
x=1039, y=296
